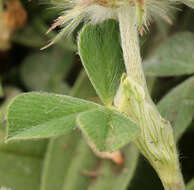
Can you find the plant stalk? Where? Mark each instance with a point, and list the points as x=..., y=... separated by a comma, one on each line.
x=156, y=140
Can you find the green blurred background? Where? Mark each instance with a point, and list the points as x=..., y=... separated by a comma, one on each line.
x=56, y=164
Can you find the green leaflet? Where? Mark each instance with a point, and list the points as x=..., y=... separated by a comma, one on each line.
x=101, y=56
x=40, y=115
x=107, y=129
x=177, y=106
x=174, y=56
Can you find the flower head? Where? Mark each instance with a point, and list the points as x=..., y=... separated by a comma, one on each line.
x=95, y=11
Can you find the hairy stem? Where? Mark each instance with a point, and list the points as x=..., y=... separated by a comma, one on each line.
x=156, y=141
x=131, y=52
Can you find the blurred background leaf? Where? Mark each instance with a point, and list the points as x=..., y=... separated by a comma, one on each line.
x=46, y=71
x=190, y=185
x=174, y=56
x=176, y=106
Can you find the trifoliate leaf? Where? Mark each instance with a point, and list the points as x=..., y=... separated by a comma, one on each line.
x=107, y=129
x=101, y=56
x=40, y=115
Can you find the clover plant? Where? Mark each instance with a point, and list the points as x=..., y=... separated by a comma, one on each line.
x=125, y=114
